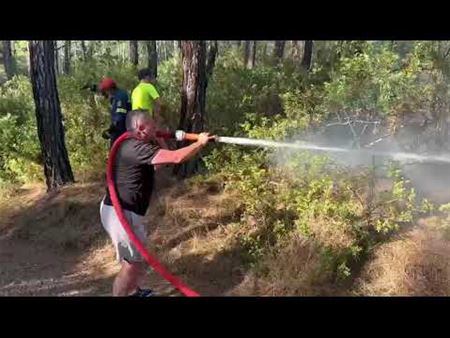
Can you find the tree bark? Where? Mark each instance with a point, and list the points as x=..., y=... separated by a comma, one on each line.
x=193, y=96
x=90, y=49
x=67, y=57
x=56, y=53
x=278, y=52
x=28, y=60
x=211, y=58
x=152, y=57
x=253, y=61
x=307, y=55
x=295, y=51
x=265, y=49
x=8, y=60
x=84, y=49
x=57, y=168
x=246, y=53
x=134, y=54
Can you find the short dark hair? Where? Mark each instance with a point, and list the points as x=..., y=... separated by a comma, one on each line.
x=145, y=72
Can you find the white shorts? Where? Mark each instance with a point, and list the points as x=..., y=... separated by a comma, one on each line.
x=125, y=250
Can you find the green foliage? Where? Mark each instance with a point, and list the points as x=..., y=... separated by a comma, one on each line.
x=310, y=195
x=234, y=92
x=19, y=154
x=285, y=195
x=371, y=81
x=85, y=116
x=169, y=83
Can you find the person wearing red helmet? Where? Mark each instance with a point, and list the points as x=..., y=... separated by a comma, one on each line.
x=120, y=106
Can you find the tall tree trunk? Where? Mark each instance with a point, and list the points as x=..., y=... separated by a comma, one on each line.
x=253, y=61
x=278, y=52
x=134, y=54
x=152, y=57
x=8, y=60
x=67, y=57
x=28, y=60
x=246, y=53
x=193, y=95
x=176, y=48
x=212, y=54
x=295, y=50
x=307, y=55
x=84, y=49
x=57, y=168
x=265, y=49
x=56, y=63
x=90, y=50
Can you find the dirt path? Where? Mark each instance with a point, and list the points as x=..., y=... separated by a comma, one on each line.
x=31, y=266
x=53, y=245
x=32, y=270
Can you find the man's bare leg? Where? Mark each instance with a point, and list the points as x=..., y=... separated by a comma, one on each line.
x=128, y=278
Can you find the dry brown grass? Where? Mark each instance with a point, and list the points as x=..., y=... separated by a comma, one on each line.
x=415, y=263
x=293, y=271
x=332, y=234
x=14, y=200
x=194, y=230
x=68, y=219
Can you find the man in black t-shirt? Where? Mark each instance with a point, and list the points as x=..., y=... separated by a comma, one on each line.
x=134, y=180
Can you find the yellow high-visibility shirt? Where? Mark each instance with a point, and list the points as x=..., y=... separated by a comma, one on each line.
x=143, y=97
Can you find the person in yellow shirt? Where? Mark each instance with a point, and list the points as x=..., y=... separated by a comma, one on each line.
x=145, y=97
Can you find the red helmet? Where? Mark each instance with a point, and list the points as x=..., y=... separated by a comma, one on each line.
x=107, y=83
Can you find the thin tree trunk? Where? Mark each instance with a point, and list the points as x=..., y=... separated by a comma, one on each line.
x=57, y=168
x=246, y=53
x=295, y=51
x=8, y=60
x=279, y=50
x=250, y=61
x=28, y=60
x=166, y=50
x=84, y=49
x=152, y=57
x=90, y=52
x=67, y=57
x=56, y=64
x=307, y=55
x=193, y=95
x=253, y=62
x=134, y=54
x=211, y=58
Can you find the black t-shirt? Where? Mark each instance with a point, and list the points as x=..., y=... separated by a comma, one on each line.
x=133, y=175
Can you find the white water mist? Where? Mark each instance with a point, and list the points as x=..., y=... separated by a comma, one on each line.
x=399, y=156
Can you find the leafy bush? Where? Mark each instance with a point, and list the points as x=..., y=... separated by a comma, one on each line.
x=19, y=155
x=290, y=194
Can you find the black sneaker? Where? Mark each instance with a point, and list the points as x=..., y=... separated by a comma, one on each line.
x=143, y=293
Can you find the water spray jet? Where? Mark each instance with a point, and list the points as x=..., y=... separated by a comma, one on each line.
x=180, y=135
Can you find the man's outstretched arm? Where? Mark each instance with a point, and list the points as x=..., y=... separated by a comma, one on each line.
x=164, y=156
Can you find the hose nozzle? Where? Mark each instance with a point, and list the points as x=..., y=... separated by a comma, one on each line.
x=180, y=135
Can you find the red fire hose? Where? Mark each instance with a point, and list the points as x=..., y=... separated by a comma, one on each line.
x=152, y=262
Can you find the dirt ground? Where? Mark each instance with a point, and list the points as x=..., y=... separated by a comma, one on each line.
x=54, y=245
